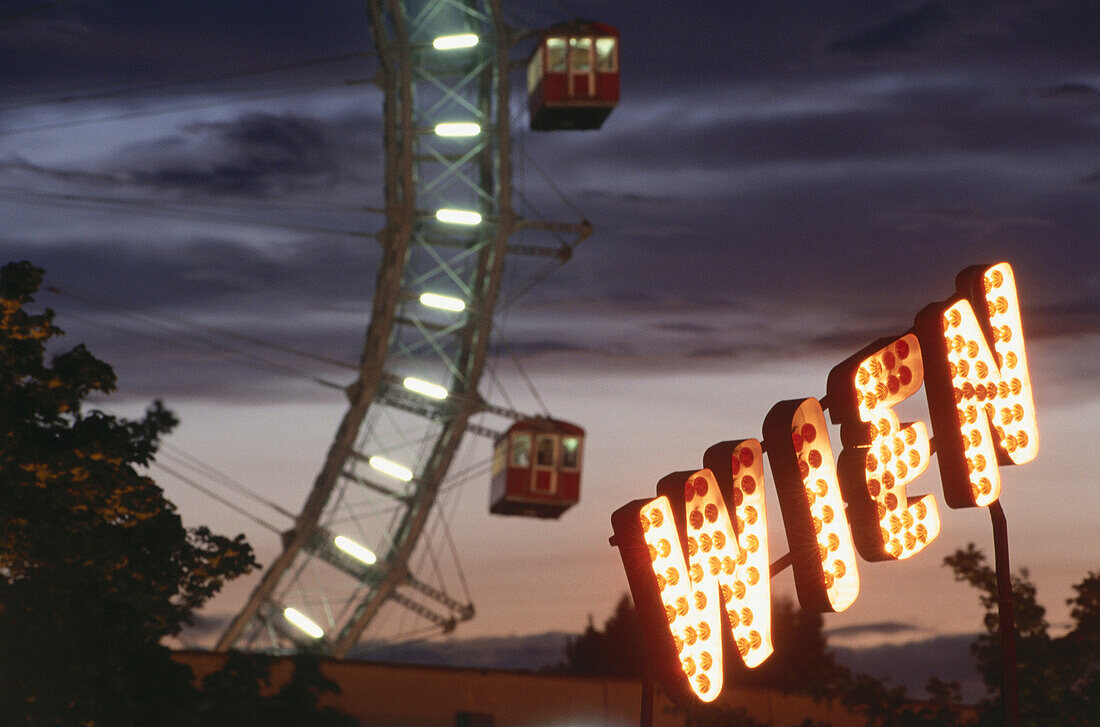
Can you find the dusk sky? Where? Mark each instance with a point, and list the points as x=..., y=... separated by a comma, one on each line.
x=781, y=184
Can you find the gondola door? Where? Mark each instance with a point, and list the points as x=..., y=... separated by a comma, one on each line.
x=582, y=75
x=544, y=472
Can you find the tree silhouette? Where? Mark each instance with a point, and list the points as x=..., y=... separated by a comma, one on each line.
x=96, y=567
x=233, y=696
x=614, y=651
x=1058, y=678
x=801, y=661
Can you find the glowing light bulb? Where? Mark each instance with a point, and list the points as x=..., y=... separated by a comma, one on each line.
x=303, y=622
x=434, y=391
x=443, y=302
x=392, y=469
x=458, y=217
x=457, y=128
x=455, y=42
x=355, y=550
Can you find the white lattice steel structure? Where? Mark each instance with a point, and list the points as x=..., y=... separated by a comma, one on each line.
x=449, y=218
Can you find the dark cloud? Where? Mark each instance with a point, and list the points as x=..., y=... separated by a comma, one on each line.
x=773, y=342
x=526, y=348
x=749, y=352
x=750, y=199
x=183, y=320
x=902, y=32
x=710, y=42
x=204, y=276
x=1071, y=91
x=914, y=123
x=15, y=165
x=685, y=326
x=310, y=173
x=125, y=42
x=847, y=244
x=257, y=154
x=878, y=627
x=974, y=220
x=939, y=30
x=314, y=296
x=912, y=664
x=22, y=12
x=535, y=652
x=1078, y=315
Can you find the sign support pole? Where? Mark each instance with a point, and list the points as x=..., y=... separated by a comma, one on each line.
x=646, y=719
x=1006, y=619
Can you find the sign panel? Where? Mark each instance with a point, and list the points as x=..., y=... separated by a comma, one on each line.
x=697, y=555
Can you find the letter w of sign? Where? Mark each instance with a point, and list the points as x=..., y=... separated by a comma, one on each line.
x=716, y=576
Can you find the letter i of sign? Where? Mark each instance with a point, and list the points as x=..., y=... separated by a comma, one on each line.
x=822, y=553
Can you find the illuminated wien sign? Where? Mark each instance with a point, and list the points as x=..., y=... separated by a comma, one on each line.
x=697, y=555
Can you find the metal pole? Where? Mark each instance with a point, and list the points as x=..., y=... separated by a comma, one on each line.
x=646, y=719
x=1010, y=694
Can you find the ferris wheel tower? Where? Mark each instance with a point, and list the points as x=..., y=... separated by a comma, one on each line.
x=352, y=553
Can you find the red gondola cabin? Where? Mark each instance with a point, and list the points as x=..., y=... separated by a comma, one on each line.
x=537, y=469
x=573, y=76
